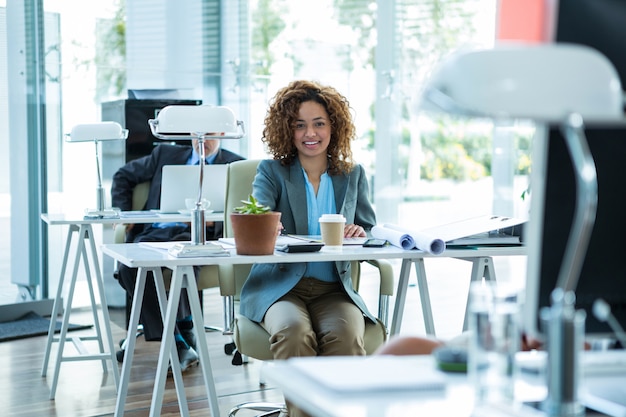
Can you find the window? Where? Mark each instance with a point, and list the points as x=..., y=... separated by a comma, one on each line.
x=378, y=53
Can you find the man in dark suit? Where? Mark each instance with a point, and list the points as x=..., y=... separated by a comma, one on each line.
x=150, y=168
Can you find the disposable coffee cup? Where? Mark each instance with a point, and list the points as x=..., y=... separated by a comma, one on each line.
x=332, y=226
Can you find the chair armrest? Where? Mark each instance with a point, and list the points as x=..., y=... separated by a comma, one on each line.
x=119, y=233
x=386, y=275
x=227, y=280
x=385, y=270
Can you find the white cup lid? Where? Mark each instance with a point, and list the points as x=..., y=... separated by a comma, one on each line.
x=332, y=218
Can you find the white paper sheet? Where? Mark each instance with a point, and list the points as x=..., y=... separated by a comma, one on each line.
x=433, y=240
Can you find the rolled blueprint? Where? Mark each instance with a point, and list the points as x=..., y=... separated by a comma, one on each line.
x=395, y=237
x=429, y=244
x=407, y=239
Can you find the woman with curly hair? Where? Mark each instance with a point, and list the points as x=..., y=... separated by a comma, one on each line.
x=310, y=308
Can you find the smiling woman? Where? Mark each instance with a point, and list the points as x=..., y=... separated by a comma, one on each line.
x=311, y=308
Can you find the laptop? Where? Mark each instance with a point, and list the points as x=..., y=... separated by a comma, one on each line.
x=180, y=182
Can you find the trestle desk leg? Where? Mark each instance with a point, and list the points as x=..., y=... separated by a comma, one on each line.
x=85, y=233
x=168, y=349
x=66, y=314
x=481, y=268
x=398, y=310
x=129, y=352
x=422, y=285
x=58, y=300
x=198, y=323
x=105, y=311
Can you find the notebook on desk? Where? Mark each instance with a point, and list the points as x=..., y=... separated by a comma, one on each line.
x=376, y=374
x=181, y=182
x=318, y=238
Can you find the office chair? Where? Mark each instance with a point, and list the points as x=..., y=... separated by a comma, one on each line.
x=250, y=339
x=207, y=277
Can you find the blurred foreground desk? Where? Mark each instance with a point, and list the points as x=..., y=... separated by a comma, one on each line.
x=86, y=245
x=455, y=399
x=147, y=258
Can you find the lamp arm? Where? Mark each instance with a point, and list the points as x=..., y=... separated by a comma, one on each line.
x=99, y=190
x=586, y=202
x=198, y=224
x=98, y=164
x=201, y=178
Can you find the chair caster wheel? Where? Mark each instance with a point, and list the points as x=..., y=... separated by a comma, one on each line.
x=229, y=348
x=237, y=359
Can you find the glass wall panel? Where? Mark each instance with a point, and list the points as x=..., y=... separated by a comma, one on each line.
x=423, y=170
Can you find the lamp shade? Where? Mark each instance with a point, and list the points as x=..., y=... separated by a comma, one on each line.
x=97, y=132
x=540, y=82
x=195, y=121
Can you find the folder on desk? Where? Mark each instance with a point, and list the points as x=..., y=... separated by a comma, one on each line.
x=494, y=238
x=287, y=244
x=378, y=374
x=187, y=250
x=479, y=227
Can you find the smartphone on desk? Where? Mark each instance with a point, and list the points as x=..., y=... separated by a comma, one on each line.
x=374, y=243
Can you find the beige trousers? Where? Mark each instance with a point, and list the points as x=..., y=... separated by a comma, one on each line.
x=314, y=318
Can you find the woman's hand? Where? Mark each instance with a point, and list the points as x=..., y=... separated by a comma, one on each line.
x=280, y=229
x=353, y=230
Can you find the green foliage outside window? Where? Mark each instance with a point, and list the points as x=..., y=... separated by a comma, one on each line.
x=445, y=152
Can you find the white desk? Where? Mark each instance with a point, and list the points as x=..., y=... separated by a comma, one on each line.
x=150, y=259
x=82, y=227
x=457, y=399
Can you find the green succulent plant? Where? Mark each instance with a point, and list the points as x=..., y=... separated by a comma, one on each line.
x=251, y=206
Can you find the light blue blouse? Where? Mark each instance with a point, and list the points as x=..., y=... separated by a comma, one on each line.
x=322, y=203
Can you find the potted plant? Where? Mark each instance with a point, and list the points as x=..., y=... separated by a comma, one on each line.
x=255, y=228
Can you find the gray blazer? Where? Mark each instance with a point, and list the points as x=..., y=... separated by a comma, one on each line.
x=282, y=188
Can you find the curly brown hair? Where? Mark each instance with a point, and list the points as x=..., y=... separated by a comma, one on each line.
x=283, y=114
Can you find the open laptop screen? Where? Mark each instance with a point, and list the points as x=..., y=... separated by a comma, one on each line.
x=181, y=182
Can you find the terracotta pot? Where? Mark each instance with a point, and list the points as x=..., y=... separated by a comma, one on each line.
x=255, y=234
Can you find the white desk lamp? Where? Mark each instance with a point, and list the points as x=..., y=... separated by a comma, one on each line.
x=202, y=123
x=97, y=132
x=552, y=83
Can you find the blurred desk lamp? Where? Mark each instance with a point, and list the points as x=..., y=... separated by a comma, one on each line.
x=197, y=122
x=97, y=132
x=552, y=83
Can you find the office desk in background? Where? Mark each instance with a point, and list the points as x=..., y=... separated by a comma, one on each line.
x=85, y=250
x=148, y=258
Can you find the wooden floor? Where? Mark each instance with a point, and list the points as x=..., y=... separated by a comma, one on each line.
x=85, y=390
